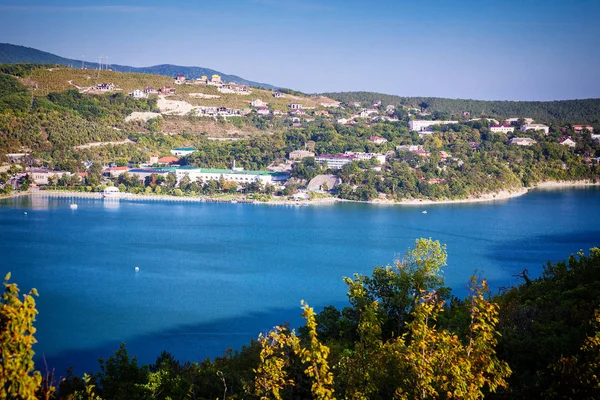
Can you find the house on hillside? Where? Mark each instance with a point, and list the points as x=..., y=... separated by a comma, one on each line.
x=522, y=141
x=581, y=128
x=295, y=106
x=138, y=94
x=515, y=121
x=535, y=127
x=167, y=90
x=424, y=125
x=179, y=79
x=263, y=111
x=377, y=140
x=105, y=87
x=567, y=141
x=300, y=154
x=504, y=128
x=258, y=103
x=215, y=78
x=150, y=90
x=278, y=95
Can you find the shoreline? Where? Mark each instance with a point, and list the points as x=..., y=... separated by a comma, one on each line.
x=499, y=196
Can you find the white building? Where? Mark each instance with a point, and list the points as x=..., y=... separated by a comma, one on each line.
x=300, y=154
x=263, y=111
x=522, y=141
x=335, y=161
x=296, y=106
x=207, y=174
x=138, y=94
x=423, y=125
x=535, y=127
x=567, y=141
x=182, y=151
x=409, y=147
x=502, y=128
x=514, y=120
x=258, y=103
x=40, y=176
x=366, y=156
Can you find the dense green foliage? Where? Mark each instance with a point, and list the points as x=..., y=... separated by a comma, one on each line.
x=582, y=111
x=14, y=97
x=547, y=318
x=22, y=70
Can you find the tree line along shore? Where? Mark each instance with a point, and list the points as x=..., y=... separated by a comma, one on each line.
x=391, y=149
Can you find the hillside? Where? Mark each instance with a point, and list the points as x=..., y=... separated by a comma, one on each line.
x=14, y=54
x=42, y=80
x=584, y=111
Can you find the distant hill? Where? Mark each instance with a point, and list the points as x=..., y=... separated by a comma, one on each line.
x=14, y=54
x=579, y=111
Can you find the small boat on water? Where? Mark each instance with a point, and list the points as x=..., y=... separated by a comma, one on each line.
x=424, y=212
x=73, y=206
x=137, y=269
x=113, y=192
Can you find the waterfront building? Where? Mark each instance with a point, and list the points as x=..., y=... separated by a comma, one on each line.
x=206, y=174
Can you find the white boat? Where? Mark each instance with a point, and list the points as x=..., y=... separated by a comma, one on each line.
x=73, y=206
x=113, y=192
x=424, y=212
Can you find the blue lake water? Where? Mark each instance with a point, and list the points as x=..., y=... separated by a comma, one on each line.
x=213, y=276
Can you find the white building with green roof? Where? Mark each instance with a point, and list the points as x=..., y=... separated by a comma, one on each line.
x=182, y=151
x=207, y=174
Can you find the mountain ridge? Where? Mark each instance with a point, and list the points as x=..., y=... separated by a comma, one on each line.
x=15, y=54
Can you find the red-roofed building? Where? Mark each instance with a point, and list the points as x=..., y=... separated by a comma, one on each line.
x=377, y=139
x=422, y=153
x=168, y=160
x=579, y=128
x=116, y=171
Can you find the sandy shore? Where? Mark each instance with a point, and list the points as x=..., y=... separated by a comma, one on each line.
x=489, y=197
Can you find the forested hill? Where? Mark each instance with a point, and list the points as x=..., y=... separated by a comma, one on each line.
x=13, y=54
x=583, y=111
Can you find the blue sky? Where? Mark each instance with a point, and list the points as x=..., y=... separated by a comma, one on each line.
x=480, y=49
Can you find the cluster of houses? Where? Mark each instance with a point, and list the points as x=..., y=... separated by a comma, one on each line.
x=510, y=126
x=214, y=80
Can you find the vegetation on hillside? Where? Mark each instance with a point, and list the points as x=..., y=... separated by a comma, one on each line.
x=12, y=54
x=562, y=111
x=403, y=335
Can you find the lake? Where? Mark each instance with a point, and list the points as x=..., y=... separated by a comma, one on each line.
x=213, y=276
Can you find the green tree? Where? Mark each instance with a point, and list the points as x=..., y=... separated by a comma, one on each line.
x=18, y=378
